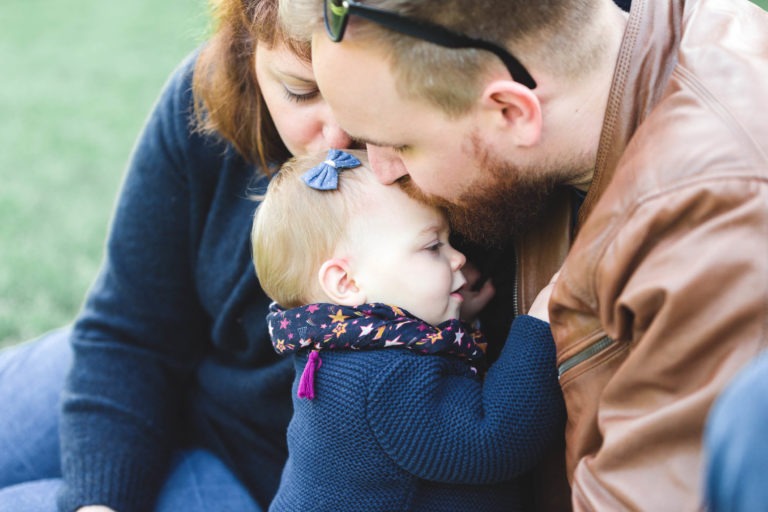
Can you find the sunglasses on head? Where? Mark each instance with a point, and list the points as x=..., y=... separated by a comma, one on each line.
x=336, y=14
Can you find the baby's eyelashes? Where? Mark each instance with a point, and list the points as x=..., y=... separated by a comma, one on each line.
x=435, y=246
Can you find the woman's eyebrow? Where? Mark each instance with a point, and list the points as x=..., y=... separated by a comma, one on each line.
x=290, y=74
x=296, y=78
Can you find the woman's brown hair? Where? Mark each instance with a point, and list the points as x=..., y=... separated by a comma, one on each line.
x=228, y=102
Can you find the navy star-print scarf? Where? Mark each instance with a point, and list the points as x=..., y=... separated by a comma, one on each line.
x=320, y=327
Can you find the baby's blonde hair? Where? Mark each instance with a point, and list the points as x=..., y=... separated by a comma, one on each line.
x=296, y=228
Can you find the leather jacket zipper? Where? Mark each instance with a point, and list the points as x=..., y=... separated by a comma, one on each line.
x=592, y=350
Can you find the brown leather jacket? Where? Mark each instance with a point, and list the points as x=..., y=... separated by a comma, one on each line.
x=664, y=294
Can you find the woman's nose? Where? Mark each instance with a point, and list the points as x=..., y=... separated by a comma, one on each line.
x=335, y=137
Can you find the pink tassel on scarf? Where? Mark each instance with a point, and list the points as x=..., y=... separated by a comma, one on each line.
x=307, y=381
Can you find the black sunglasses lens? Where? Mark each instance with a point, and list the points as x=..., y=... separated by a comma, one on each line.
x=335, y=18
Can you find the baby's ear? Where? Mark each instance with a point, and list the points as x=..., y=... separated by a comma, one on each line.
x=338, y=284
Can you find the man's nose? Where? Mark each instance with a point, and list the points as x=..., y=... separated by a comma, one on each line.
x=386, y=164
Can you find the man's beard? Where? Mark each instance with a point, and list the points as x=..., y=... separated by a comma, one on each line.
x=492, y=211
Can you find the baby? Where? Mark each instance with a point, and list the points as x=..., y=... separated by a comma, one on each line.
x=393, y=408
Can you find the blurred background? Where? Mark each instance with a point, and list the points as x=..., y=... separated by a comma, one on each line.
x=77, y=79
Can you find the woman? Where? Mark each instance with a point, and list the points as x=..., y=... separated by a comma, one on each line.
x=175, y=391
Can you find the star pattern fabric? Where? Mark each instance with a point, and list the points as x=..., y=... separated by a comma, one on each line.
x=370, y=326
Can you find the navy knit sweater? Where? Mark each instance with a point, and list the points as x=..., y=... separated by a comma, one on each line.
x=171, y=346
x=395, y=430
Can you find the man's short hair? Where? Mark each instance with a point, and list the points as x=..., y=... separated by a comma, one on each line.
x=553, y=35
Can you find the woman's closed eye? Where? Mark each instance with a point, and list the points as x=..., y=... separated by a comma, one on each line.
x=300, y=97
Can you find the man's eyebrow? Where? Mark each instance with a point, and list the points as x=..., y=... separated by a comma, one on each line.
x=364, y=141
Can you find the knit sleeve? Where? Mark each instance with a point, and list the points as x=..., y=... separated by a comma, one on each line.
x=141, y=327
x=448, y=427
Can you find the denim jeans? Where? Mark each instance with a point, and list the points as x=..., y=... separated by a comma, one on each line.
x=736, y=443
x=31, y=379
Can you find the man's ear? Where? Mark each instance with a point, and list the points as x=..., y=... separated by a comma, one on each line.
x=338, y=284
x=516, y=108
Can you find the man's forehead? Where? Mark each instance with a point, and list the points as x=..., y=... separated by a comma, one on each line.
x=361, y=91
x=350, y=58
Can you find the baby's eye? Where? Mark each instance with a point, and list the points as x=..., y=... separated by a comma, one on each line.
x=435, y=246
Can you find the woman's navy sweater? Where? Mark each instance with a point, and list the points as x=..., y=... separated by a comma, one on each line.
x=171, y=346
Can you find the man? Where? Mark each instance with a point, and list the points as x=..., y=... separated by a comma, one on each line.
x=655, y=117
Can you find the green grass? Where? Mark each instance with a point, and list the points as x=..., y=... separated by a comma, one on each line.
x=78, y=79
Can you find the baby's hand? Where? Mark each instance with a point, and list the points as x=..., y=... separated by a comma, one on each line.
x=540, y=306
x=474, y=300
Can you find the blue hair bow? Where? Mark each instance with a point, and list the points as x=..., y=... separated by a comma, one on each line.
x=325, y=176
